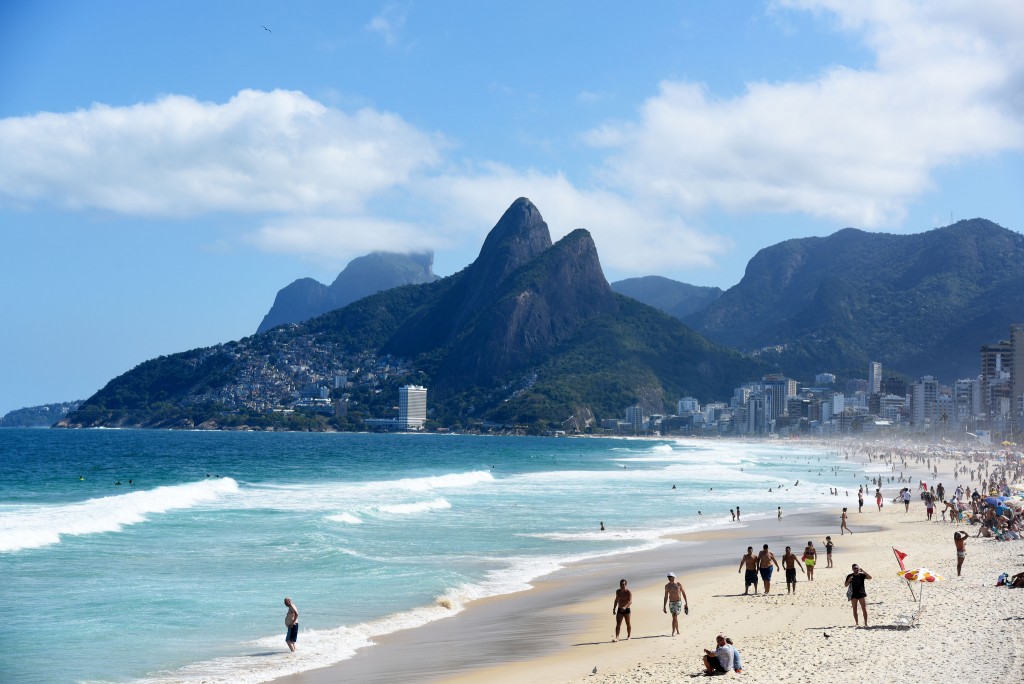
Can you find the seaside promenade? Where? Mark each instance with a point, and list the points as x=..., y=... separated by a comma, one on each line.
x=562, y=630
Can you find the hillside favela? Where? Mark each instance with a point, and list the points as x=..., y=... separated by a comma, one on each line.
x=395, y=342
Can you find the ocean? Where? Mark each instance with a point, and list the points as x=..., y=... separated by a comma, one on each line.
x=178, y=573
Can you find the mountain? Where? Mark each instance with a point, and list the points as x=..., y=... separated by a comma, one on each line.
x=920, y=304
x=38, y=416
x=366, y=275
x=529, y=334
x=671, y=296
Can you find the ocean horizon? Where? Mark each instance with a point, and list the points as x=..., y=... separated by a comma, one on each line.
x=178, y=573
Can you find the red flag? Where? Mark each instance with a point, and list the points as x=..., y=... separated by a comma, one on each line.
x=899, y=557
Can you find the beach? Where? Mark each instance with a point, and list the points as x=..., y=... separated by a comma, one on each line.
x=562, y=630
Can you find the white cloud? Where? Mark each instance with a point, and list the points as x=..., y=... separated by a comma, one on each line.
x=274, y=151
x=388, y=24
x=851, y=145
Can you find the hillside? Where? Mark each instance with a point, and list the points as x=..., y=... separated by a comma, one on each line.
x=363, y=276
x=528, y=334
x=919, y=303
x=671, y=296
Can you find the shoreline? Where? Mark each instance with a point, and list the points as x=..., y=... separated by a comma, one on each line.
x=546, y=633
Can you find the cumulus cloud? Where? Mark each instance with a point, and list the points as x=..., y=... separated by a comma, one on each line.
x=274, y=151
x=851, y=145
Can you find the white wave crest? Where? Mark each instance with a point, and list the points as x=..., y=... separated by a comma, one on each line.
x=417, y=507
x=452, y=480
x=29, y=527
x=345, y=518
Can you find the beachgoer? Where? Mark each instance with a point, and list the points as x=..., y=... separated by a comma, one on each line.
x=828, y=551
x=765, y=559
x=843, y=526
x=810, y=558
x=737, y=662
x=750, y=561
x=721, y=659
x=878, y=498
x=960, y=541
x=621, y=609
x=790, y=564
x=602, y=525
x=929, y=504
x=675, y=600
x=732, y=512
x=860, y=501
x=737, y=514
x=779, y=516
x=855, y=580
x=291, y=621
x=906, y=499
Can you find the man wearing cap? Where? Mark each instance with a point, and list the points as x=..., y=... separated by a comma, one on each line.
x=675, y=600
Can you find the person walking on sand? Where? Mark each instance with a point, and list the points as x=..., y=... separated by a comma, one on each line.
x=906, y=499
x=828, y=551
x=843, y=526
x=621, y=609
x=960, y=541
x=860, y=500
x=765, y=559
x=291, y=621
x=675, y=601
x=878, y=499
x=810, y=558
x=750, y=561
x=790, y=565
x=857, y=593
x=737, y=514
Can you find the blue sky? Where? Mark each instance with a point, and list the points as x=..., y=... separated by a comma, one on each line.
x=166, y=167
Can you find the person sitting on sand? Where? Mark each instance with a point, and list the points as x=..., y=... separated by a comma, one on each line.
x=721, y=660
x=737, y=662
x=621, y=609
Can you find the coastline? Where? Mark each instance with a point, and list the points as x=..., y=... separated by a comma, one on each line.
x=560, y=630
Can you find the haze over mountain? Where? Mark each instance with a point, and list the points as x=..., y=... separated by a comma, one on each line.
x=920, y=304
x=529, y=333
x=306, y=298
x=671, y=296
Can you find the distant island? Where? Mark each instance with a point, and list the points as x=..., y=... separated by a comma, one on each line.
x=38, y=416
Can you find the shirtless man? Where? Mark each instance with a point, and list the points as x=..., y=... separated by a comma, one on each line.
x=810, y=558
x=291, y=621
x=843, y=526
x=789, y=563
x=960, y=541
x=675, y=600
x=750, y=561
x=621, y=609
x=765, y=559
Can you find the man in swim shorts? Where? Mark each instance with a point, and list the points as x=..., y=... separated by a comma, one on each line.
x=960, y=541
x=675, y=600
x=750, y=561
x=291, y=621
x=810, y=558
x=621, y=609
x=764, y=566
x=790, y=565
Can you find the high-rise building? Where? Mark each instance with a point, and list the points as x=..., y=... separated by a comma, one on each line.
x=412, y=407
x=1017, y=369
x=997, y=377
x=924, y=402
x=635, y=419
x=777, y=389
x=874, y=377
x=894, y=386
x=687, y=405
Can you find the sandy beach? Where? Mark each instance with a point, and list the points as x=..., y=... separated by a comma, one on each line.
x=562, y=630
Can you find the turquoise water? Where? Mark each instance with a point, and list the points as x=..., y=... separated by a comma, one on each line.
x=180, y=576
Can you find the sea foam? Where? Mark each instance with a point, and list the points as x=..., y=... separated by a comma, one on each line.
x=29, y=527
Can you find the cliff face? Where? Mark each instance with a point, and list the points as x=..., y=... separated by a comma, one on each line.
x=363, y=276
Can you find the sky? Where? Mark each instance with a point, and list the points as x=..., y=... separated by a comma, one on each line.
x=167, y=167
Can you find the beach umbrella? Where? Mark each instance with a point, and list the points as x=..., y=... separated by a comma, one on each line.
x=922, y=576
